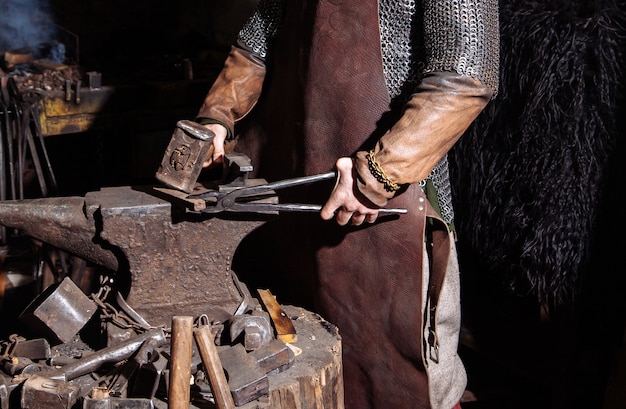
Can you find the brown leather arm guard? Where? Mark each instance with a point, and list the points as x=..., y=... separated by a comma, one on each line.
x=433, y=120
x=235, y=91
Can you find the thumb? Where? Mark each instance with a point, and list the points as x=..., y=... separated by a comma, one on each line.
x=344, y=171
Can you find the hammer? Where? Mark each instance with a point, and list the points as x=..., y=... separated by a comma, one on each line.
x=213, y=366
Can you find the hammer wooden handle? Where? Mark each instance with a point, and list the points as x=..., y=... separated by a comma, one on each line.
x=213, y=366
x=180, y=362
x=285, y=331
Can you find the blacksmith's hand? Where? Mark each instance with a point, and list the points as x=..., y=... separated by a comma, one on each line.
x=216, y=155
x=344, y=203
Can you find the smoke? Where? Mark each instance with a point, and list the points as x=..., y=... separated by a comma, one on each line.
x=25, y=24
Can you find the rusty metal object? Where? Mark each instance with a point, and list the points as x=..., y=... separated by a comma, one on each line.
x=7, y=395
x=130, y=371
x=59, y=312
x=118, y=403
x=166, y=262
x=19, y=365
x=41, y=392
x=255, y=330
x=182, y=161
x=246, y=380
x=61, y=222
x=274, y=357
x=149, y=376
x=54, y=389
x=109, y=355
x=35, y=349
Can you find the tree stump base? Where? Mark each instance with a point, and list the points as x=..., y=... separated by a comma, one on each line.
x=315, y=380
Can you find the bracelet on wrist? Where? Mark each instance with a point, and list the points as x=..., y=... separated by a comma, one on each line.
x=380, y=175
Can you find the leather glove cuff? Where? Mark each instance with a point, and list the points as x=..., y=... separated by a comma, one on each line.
x=435, y=117
x=235, y=91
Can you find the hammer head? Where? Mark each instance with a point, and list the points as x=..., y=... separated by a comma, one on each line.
x=182, y=162
x=40, y=392
x=246, y=380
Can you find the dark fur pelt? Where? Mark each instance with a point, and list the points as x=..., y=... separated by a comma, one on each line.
x=528, y=175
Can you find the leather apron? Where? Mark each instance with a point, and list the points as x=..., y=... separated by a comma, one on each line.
x=325, y=97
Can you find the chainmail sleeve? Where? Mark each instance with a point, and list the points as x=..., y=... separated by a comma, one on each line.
x=461, y=36
x=463, y=39
x=258, y=33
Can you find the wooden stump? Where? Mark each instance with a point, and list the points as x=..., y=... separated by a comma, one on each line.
x=315, y=380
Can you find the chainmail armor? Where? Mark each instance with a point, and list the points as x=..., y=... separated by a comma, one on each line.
x=258, y=33
x=459, y=40
x=463, y=39
x=405, y=61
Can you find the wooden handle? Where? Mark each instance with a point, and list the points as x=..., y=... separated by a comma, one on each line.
x=285, y=331
x=213, y=366
x=180, y=362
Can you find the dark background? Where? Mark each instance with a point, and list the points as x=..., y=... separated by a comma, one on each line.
x=517, y=355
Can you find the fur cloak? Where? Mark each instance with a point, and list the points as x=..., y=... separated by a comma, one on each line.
x=532, y=173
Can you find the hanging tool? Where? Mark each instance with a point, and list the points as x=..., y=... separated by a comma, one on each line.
x=247, y=199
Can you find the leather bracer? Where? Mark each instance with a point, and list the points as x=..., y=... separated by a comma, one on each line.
x=235, y=91
x=435, y=117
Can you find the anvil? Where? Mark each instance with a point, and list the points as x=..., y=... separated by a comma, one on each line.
x=165, y=262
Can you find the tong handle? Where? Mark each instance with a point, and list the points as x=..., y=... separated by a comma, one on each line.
x=297, y=207
x=281, y=184
x=228, y=202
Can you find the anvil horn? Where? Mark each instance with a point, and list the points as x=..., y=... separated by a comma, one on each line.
x=63, y=222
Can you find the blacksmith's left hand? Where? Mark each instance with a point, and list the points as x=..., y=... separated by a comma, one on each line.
x=344, y=203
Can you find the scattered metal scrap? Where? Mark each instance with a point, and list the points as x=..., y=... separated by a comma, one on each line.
x=61, y=371
x=47, y=79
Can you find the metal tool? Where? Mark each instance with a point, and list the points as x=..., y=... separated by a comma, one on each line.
x=190, y=146
x=120, y=228
x=246, y=199
x=55, y=389
x=246, y=380
x=60, y=312
x=213, y=367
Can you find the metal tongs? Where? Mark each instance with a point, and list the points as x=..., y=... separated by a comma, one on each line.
x=247, y=199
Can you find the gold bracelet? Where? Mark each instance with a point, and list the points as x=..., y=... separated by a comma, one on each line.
x=378, y=172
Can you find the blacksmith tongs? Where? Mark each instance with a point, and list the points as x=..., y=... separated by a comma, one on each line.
x=246, y=199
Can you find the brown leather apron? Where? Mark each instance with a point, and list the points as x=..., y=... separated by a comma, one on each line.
x=326, y=97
